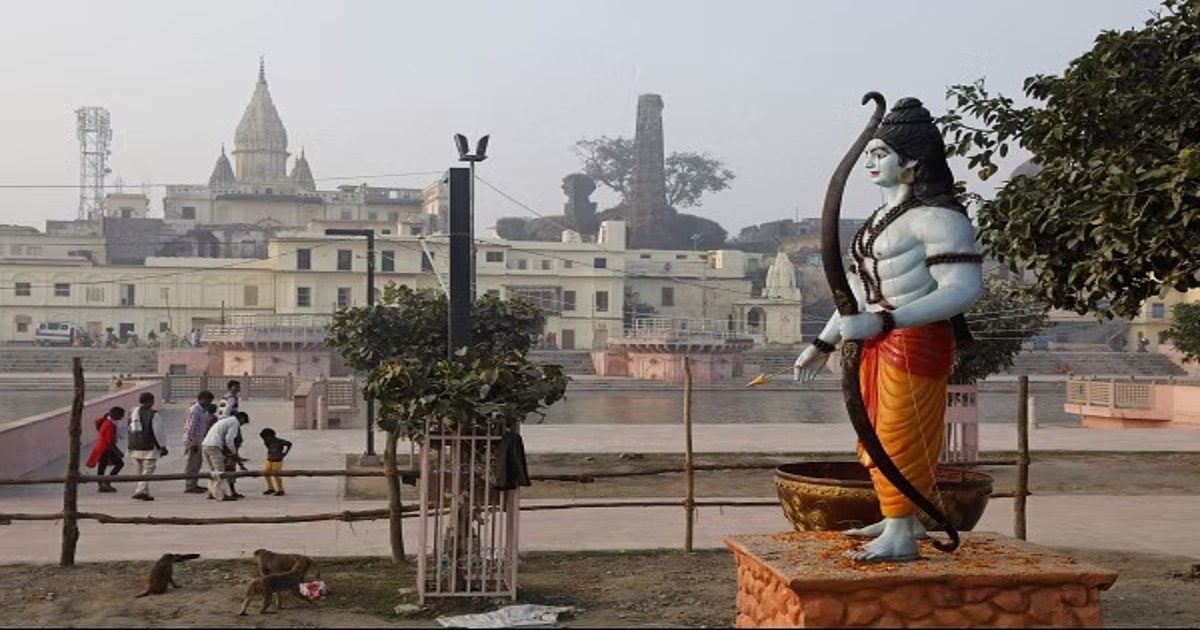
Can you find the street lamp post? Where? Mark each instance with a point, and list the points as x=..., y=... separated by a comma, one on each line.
x=464, y=155
x=370, y=234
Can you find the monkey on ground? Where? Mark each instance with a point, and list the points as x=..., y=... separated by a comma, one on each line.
x=270, y=586
x=162, y=573
x=270, y=562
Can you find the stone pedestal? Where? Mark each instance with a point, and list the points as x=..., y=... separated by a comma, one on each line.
x=804, y=580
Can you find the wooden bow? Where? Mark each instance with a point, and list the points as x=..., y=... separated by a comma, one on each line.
x=843, y=298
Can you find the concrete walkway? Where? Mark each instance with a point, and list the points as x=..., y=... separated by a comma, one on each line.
x=1160, y=524
x=1149, y=524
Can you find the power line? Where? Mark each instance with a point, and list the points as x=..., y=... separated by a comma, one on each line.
x=152, y=185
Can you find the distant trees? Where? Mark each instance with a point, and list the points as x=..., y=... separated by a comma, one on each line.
x=689, y=175
x=1003, y=318
x=1184, y=332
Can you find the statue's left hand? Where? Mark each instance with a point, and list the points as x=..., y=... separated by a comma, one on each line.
x=860, y=326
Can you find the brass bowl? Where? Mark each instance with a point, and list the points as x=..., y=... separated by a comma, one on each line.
x=836, y=496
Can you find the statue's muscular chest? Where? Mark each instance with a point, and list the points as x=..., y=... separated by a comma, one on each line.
x=894, y=243
x=889, y=240
x=887, y=250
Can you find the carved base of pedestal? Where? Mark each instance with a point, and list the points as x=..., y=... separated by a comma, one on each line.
x=803, y=580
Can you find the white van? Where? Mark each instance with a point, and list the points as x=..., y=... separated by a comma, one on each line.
x=56, y=333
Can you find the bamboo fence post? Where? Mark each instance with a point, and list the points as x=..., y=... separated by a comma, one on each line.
x=689, y=499
x=1022, y=457
x=70, y=513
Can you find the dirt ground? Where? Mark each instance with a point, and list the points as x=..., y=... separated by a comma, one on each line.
x=668, y=588
x=1050, y=473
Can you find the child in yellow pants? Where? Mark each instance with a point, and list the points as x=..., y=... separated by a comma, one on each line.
x=277, y=449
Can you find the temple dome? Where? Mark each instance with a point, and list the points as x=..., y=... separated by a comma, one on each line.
x=260, y=144
x=261, y=128
x=302, y=174
x=222, y=173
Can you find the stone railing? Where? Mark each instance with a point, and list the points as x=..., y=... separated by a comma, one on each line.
x=343, y=392
x=182, y=388
x=960, y=442
x=1130, y=404
x=270, y=328
x=682, y=328
x=1112, y=393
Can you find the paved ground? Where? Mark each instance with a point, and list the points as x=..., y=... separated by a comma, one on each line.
x=1158, y=524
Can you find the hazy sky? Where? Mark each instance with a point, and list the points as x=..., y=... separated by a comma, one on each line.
x=374, y=88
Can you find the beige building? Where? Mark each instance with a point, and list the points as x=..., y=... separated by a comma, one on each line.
x=581, y=286
x=165, y=294
x=252, y=241
x=1155, y=318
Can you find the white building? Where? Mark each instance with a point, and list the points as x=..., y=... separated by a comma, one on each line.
x=252, y=241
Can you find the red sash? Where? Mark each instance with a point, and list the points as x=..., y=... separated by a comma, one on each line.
x=926, y=350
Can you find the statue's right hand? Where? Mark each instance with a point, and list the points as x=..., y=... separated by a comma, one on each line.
x=809, y=364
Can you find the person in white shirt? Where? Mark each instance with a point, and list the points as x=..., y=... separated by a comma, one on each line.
x=221, y=437
x=146, y=440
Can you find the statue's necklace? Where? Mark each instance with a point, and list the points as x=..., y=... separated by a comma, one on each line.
x=863, y=247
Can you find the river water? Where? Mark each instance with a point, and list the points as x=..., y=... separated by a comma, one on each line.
x=765, y=405
x=15, y=405
x=616, y=406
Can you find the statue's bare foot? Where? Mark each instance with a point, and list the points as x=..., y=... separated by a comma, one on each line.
x=875, y=529
x=897, y=542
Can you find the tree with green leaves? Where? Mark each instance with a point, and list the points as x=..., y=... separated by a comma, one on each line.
x=401, y=344
x=1003, y=318
x=689, y=175
x=1113, y=216
x=1184, y=332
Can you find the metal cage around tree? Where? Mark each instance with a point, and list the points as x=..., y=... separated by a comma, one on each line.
x=469, y=528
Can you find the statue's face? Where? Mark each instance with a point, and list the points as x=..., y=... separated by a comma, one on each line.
x=883, y=163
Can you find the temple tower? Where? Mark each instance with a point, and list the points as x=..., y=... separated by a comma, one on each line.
x=649, y=215
x=260, y=144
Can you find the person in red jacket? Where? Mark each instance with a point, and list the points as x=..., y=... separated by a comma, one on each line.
x=106, y=452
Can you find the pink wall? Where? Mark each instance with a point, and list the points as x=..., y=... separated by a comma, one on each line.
x=1174, y=405
x=707, y=368
x=278, y=362
x=30, y=444
x=197, y=360
x=1185, y=403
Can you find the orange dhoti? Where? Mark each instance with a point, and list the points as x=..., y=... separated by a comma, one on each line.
x=903, y=376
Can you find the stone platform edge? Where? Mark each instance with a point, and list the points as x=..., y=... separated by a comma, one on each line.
x=803, y=580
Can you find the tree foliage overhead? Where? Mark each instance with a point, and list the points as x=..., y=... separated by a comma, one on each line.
x=689, y=175
x=1001, y=320
x=412, y=324
x=401, y=343
x=1113, y=217
x=1184, y=332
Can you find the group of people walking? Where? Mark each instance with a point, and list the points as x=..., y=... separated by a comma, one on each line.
x=212, y=435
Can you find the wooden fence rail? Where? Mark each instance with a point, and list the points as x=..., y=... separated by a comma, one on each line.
x=71, y=479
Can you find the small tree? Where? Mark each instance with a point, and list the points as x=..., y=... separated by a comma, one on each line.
x=1000, y=321
x=1113, y=217
x=401, y=342
x=1184, y=332
x=689, y=175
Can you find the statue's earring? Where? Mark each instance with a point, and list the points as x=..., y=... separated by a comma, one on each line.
x=906, y=176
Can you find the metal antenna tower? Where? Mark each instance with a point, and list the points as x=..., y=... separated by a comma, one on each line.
x=95, y=134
